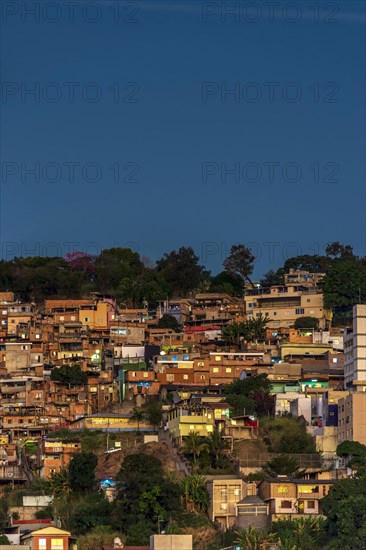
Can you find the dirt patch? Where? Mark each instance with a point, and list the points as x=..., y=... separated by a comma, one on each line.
x=109, y=464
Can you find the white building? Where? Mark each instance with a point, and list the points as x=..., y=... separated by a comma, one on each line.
x=355, y=351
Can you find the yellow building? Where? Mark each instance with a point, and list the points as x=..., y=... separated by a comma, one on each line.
x=111, y=422
x=95, y=315
x=182, y=419
x=283, y=304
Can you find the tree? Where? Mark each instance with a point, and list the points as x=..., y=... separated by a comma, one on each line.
x=60, y=483
x=137, y=415
x=195, y=496
x=82, y=471
x=345, y=509
x=88, y=512
x=283, y=465
x=306, y=262
x=272, y=278
x=226, y=283
x=250, y=395
x=216, y=446
x=287, y=434
x=194, y=445
x=69, y=375
x=249, y=330
x=251, y=539
x=307, y=323
x=240, y=262
x=338, y=250
x=307, y=533
x=356, y=453
x=143, y=490
x=345, y=284
x=4, y=540
x=154, y=413
x=181, y=270
x=169, y=321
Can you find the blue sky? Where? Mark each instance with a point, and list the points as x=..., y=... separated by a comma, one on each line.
x=175, y=123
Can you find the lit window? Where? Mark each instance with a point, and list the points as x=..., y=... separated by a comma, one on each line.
x=215, y=369
x=42, y=544
x=57, y=544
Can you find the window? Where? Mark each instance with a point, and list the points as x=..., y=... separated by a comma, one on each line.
x=286, y=504
x=185, y=376
x=310, y=505
x=42, y=544
x=299, y=311
x=228, y=370
x=282, y=489
x=215, y=369
x=57, y=544
x=62, y=318
x=86, y=319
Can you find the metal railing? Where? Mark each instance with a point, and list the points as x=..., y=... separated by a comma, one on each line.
x=257, y=460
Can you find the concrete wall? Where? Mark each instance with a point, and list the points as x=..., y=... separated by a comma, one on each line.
x=171, y=542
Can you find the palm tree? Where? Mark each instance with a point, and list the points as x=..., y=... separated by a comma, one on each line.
x=283, y=464
x=137, y=415
x=216, y=444
x=195, y=495
x=194, y=445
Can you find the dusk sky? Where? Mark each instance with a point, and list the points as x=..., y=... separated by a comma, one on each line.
x=143, y=105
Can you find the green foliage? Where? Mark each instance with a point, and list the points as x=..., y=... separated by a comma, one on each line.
x=169, y=321
x=194, y=445
x=307, y=533
x=287, y=434
x=144, y=493
x=356, y=452
x=240, y=262
x=345, y=508
x=227, y=284
x=102, y=535
x=216, y=446
x=250, y=394
x=44, y=513
x=4, y=540
x=181, y=271
x=249, y=330
x=82, y=471
x=88, y=512
x=272, y=278
x=69, y=375
x=251, y=539
x=283, y=465
x=195, y=496
x=154, y=413
x=345, y=283
x=137, y=415
x=304, y=323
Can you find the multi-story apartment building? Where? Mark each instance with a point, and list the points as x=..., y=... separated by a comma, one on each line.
x=355, y=351
x=352, y=418
x=225, y=492
x=283, y=304
x=57, y=454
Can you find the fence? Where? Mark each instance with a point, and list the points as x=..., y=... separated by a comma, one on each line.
x=257, y=460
